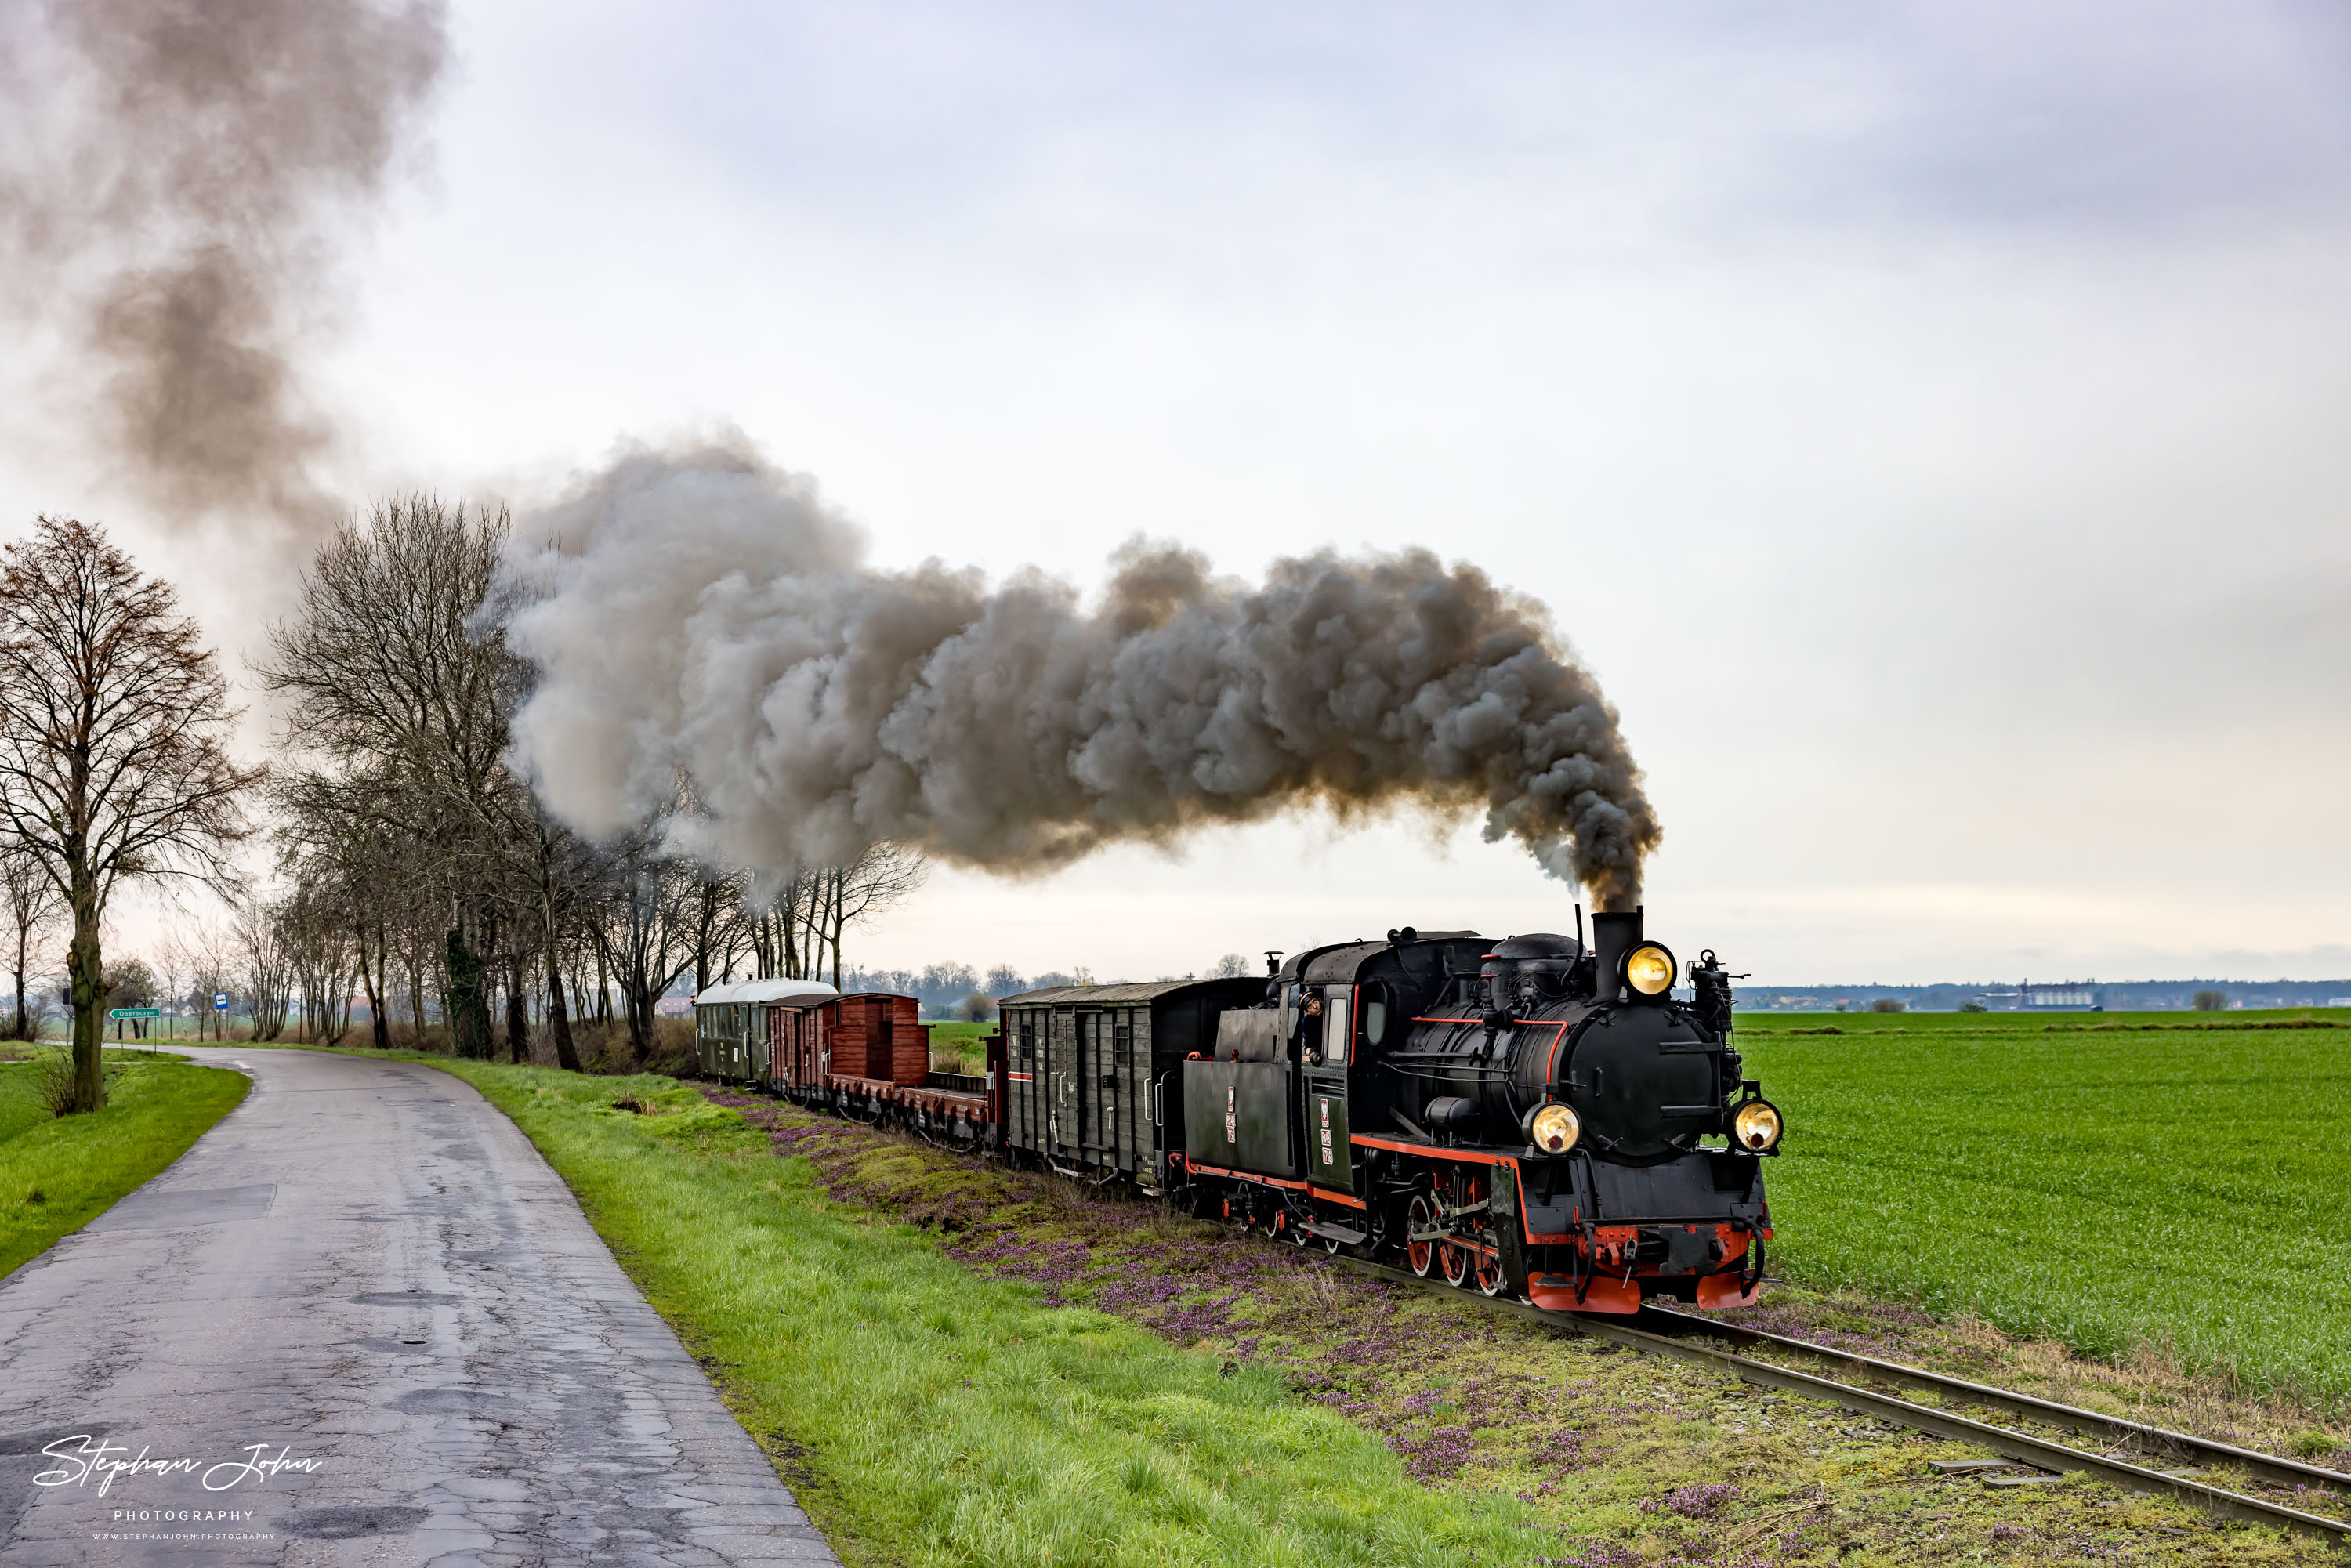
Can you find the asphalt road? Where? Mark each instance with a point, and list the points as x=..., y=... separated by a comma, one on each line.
x=367, y=1272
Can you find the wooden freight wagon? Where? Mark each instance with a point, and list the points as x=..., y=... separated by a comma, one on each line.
x=1093, y=1076
x=878, y=1036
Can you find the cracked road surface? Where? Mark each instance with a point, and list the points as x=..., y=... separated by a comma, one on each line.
x=367, y=1268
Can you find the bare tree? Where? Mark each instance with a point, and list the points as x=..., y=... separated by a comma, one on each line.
x=721, y=925
x=171, y=966
x=315, y=929
x=879, y=879
x=258, y=929
x=559, y=867
x=34, y=904
x=405, y=689
x=206, y=952
x=112, y=763
x=647, y=903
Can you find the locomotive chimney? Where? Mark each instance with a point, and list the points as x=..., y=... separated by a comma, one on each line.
x=1613, y=936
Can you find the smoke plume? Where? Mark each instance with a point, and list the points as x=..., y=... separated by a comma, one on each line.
x=170, y=172
x=700, y=610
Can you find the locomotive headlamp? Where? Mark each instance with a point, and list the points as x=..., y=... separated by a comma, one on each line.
x=1756, y=1127
x=1554, y=1128
x=1649, y=970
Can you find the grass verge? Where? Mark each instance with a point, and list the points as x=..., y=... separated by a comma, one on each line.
x=58, y=1174
x=927, y=1415
x=2127, y=1184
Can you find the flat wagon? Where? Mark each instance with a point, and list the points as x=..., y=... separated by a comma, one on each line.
x=868, y=1055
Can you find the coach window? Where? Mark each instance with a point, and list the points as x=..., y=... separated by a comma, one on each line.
x=1334, y=1031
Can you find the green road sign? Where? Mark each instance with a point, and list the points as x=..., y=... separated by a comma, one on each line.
x=136, y=1013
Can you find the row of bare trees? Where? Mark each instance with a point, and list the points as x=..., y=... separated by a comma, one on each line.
x=413, y=867
x=426, y=872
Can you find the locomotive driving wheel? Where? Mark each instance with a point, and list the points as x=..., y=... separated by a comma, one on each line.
x=1421, y=1216
x=1456, y=1262
x=1490, y=1276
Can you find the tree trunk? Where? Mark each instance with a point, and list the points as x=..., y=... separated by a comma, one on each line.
x=518, y=1013
x=416, y=1000
x=834, y=919
x=467, y=1009
x=377, y=978
x=559, y=1019
x=641, y=1021
x=86, y=968
x=22, y=1029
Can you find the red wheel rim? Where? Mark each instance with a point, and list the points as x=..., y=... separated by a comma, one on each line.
x=1456, y=1263
x=1420, y=1254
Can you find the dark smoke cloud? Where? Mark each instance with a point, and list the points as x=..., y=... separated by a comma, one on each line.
x=169, y=171
x=701, y=611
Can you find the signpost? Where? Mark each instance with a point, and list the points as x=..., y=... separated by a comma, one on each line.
x=119, y=1014
x=219, y=1025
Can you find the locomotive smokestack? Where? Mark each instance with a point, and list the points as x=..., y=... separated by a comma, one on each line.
x=1613, y=936
x=700, y=614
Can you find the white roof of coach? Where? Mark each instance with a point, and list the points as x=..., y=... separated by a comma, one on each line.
x=765, y=991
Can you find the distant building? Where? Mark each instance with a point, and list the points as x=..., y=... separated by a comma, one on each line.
x=2067, y=996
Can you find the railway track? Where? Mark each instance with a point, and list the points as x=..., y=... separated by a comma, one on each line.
x=1681, y=1336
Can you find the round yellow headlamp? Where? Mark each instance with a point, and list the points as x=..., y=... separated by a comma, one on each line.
x=1756, y=1127
x=1649, y=970
x=1554, y=1128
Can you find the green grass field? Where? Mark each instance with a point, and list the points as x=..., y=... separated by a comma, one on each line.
x=927, y=1415
x=958, y=1045
x=58, y=1174
x=2111, y=1179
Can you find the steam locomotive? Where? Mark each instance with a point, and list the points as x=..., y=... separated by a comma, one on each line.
x=1532, y=1118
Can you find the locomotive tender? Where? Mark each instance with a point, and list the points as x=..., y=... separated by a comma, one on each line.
x=1529, y=1117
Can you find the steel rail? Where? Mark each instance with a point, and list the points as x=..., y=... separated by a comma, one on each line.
x=2270, y=1467
x=2020, y=1447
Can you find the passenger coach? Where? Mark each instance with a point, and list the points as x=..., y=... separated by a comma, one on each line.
x=731, y=1026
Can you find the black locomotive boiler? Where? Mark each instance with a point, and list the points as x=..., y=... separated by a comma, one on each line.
x=1529, y=1117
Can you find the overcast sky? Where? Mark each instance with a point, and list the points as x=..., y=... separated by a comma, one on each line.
x=1927, y=420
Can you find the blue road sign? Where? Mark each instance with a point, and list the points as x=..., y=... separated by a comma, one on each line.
x=220, y=1002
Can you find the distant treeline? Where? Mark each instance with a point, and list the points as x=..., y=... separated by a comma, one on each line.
x=2118, y=996
x=946, y=989
x=943, y=988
